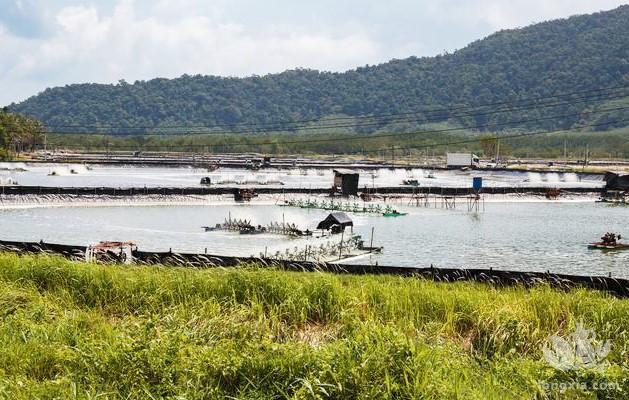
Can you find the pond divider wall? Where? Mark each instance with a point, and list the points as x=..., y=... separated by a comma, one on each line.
x=617, y=286
x=182, y=191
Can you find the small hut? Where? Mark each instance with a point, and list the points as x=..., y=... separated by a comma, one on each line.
x=615, y=181
x=244, y=194
x=336, y=222
x=346, y=181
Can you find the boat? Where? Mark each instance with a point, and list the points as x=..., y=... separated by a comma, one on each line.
x=609, y=241
x=393, y=213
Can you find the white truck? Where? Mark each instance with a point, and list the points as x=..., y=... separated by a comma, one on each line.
x=461, y=160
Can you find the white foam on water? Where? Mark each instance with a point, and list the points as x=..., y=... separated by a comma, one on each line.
x=59, y=171
x=262, y=180
x=534, y=177
x=571, y=177
x=7, y=181
x=13, y=166
x=77, y=169
x=552, y=177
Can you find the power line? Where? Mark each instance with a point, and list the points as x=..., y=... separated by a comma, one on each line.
x=356, y=125
x=274, y=125
x=513, y=136
x=402, y=134
x=430, y=145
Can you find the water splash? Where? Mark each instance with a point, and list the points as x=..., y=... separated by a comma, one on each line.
x=7, y=181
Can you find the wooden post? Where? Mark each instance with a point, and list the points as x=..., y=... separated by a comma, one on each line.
x=341, y=244
x=371, y=240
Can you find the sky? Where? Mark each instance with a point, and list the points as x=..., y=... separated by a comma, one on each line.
x=47, y=43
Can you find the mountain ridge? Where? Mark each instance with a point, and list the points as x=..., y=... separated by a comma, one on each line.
x=584, y=52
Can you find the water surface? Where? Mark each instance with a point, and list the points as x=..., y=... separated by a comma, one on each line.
x=522, y=236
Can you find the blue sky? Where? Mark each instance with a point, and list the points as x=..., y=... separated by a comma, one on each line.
x=53, y=43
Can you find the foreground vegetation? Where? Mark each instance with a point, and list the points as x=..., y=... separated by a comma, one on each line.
x=85, y=331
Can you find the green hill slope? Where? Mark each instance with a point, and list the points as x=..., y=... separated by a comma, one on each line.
x=579, y=53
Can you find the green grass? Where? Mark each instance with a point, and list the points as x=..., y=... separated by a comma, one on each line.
x=71, y=330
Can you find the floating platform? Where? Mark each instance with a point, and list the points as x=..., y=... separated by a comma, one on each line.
x=394, y=214
x=606, y=246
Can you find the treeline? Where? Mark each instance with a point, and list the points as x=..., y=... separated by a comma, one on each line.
x=578, y=54
x=18, y=133
x=612, y=144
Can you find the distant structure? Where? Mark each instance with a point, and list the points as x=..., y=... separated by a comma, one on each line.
x=462, y=160
x=346, y=181
x=616, y=188
x=336, y=222
x=244, y=194
x=615, y=181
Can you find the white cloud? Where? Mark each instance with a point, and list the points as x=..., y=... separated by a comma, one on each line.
x=100, y=41
x=504, y=14
x=88, y=46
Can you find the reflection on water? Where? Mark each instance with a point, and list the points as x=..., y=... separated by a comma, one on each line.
x=522, y=236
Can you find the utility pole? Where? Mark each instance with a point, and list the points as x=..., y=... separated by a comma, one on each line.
x=392, y=156
x=45, y=145
x=565, y=150
x=585, y=158
x=497, y=151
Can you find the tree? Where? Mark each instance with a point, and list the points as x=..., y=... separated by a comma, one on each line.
x=18, y=133
x=489, y=144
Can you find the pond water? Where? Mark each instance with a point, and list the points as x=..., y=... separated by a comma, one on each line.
x=135, y=176
x=533, y=236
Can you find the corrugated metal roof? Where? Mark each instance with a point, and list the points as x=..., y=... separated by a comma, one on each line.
x=345, y=172
x=335, y=218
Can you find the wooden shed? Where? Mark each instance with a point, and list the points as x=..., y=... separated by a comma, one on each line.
x=615, y=181
x=336, y=221
x=346, y=181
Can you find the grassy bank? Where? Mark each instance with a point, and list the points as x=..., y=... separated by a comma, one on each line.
x=79, y=331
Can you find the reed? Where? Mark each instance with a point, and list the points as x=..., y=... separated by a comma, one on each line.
x=72, y=330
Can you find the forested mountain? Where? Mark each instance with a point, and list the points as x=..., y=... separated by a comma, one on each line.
x=580, y=53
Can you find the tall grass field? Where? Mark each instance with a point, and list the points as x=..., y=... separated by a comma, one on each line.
x=71, y=330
